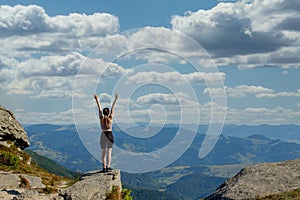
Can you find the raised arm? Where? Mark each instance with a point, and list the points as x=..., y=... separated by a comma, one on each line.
x=113, y=105
x=99, y=105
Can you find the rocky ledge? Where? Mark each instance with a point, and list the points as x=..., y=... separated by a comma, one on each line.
x=11, y=131
x=22, y=186
x=92, y=186
x=260, y=180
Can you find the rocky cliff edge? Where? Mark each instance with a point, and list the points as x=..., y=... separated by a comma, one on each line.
x=260, y=180
x=91, y=186
x=11, y=131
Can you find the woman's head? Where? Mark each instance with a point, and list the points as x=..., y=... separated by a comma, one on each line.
x=105, y=111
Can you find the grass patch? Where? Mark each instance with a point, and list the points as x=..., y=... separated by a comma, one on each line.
x=9, y=159
x=116, y=194
x=15, y=161
x=290, y=195
x=126, y=194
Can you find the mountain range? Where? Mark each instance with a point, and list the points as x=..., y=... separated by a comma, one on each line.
x=189, y=177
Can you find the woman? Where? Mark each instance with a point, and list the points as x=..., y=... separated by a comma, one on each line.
x=107, y=138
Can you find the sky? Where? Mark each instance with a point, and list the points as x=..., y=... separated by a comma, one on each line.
x=171, y=61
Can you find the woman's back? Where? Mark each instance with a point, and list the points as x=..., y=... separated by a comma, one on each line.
x=106, y=123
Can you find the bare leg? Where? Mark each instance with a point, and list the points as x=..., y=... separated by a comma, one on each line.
x=104, y=158
x=109, y=150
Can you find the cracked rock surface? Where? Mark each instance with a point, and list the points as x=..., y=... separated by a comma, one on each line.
x=260, y=180
x=11, y=131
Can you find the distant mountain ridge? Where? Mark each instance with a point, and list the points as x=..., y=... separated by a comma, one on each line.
x=285, y=132
x=248, y=150
x=62, y=144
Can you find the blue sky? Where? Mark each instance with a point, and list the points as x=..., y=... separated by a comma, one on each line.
x=58, y=52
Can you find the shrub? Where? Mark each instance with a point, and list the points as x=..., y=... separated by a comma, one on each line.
x=114, y=194
x=126, y=194
x=9, y=159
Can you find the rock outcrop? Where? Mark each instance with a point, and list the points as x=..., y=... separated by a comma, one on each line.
x=260, y=180
x=94, y=186
x=11, y=131
x=23, y=186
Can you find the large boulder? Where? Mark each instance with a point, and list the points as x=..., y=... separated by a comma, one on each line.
x=94, y=186
x=11, y=131
x=260, y=180
x=11, y=187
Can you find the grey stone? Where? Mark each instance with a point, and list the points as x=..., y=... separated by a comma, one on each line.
x=260, y=180
x=11, y=131
x=34, y=181
x=34, y=195
x=9, y=180
x=93, y=186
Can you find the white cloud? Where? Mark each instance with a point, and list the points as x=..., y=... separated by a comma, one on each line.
x=63, y=117
x=26, y=30
x=38, y=52
x=252, y=115
x=227, y=29
x=104, y=97
x=248, y=115
x=98, y=24
x=42, y=87
x=32, y=19
x=244, y=31
x=240, y=91
x=54, y=76
x=176, y=77
x=157, y=108
x=162, y=98
x=279, y=94
x=20, y=19
x=201, y=77
x=162, y=45
x=261, y=115
x=161, y=38
x=243, y=91
x=67, y=65
x=286, y=57
x=36, y=58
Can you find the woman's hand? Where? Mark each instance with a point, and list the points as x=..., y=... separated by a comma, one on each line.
x=116, y=96
x=99, y=105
